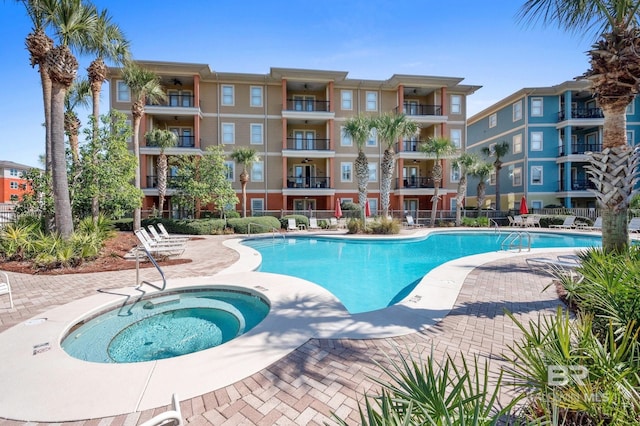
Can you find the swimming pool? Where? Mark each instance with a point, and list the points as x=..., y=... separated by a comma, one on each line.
x=370, y=274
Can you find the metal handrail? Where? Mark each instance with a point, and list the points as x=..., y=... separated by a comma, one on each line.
x=494, y=224
x=510, y=241
x=153, y=261
x=271, y=228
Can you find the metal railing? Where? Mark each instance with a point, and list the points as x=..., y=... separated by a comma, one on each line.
x=579, y=148
x=420, y=109
x=308, y=182
x=515, y=241
x=408, y=146
x=415, y=182
x=153, y=261
x=315, y=144
x=307, y=105
x=184, y=141
x=582, y=113
x=174, y=100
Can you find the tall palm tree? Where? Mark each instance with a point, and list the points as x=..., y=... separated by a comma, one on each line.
x=464, y=163
x=162, y=139
x=246, y=157
x=79, y=95
x=358, y=129
x=498, y=151
x=437, y=148
x=391, y=128
x=615, y=78
x=145, y=87
x=481, y=171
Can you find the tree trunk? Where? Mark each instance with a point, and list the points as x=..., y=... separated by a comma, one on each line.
x=498, y=203
x=137, y=213
x=386, y=175
x=62, y=201
x=434, y=202
x=481, y=196
x=462, y=189
x=162, y=181
x=46, y=97
x=362, y=176
x=95, y=95
x=244, y=178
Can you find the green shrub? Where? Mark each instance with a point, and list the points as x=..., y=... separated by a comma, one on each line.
x=259, y=225
x=385, y=226
x=125, y=224
x=476, y=222
x=357, y=226
x=189, y=226
x=232, y=214
x=300, y=220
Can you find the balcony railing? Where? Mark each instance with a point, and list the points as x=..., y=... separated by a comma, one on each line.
x=580, y=148
x=152, y=181
x=415, y=182
x=421, y=109
x=311, y=182
x=582, y=113
x=184, y=141
x=577, y=185
x=307, y=105
x=408, y=146
x=308, y=144
x=176, y=101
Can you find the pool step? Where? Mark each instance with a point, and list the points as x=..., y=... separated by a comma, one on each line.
x=152, y=304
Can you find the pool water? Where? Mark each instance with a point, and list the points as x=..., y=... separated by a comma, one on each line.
x=371, y=274
x=165, y=327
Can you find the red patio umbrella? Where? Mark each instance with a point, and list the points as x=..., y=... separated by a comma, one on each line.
x=338, y=211
x=367, y=209
x=523, y=206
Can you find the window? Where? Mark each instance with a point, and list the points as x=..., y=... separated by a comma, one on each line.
x=516, y=178
x=631, y=108
x=13, y=172
x=372, y=101
x=346, y=97
x=346, y=172
x=257, y=171
x=373, y=205
x=536, y=175
x=373, y=137
x=373, y=172
x=345, y=139
x=493, y=120
x=256, y=96
x=517, y=111
x=228, y=133
x=186, y=99
x=536, y=141
x=536, y=107
x=123, y=94
x=536, y=204
x=630, y=140
x=256, y=134
x=456, y=138
x=455, y=174
x=456, y=104
x=13, y=185
x=230, y=171
x=516, y=143
x=227, y=95
x=257, y=206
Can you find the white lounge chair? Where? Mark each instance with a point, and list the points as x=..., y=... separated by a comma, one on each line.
x=162, y=238
x=634, y=224
x=153, y=240
x=597, y=225
x=569, y=223
x=412, y=223
x=313, y=223
x=5, y=287
x=516, y=221
x=165, y=234
x=532, y=221
x=174, y=415
x=158, y=249
x=564, y=265
x=291, y=225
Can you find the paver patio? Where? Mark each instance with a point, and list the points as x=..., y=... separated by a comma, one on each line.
x=322, y=376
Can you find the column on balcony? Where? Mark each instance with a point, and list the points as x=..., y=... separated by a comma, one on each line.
x=401, y=99
x=567, y=168
x=443, y=108
x=196, y=103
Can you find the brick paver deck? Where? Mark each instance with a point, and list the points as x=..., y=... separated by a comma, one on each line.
x=322, y=376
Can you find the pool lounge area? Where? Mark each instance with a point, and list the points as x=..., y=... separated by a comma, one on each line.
x=307, y=360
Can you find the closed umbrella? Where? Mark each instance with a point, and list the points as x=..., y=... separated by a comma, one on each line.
x=338, y=210
x=367, y=209
x=523, y=206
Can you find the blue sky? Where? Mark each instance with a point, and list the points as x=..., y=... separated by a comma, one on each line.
x=478, y=40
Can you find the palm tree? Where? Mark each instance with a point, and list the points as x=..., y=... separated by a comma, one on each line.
x=498, y=151
x=145, y=87
x=615, y=78
x=464, y=163
x=162, y=139
x=436, y=148
x=246, y=157
x=391, y=127
x=79, y=95
x=481, y=171
x=359, y=129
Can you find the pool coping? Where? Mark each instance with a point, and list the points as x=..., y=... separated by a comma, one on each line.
x=300, y=310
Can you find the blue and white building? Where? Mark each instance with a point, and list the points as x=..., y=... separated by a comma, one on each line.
x=550, y=131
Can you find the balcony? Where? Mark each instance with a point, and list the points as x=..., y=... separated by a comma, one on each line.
x=415, y=182
x=577, y=185
x=582, y=113
x=175, y=101
x=408, y=146
x=421, y=109
x=315, y=144
x=309, y=182
x=579, y=148
x=307, y=105
x=152, y=181
x=184, y=141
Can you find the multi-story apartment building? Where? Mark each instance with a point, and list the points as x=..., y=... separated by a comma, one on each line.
x=550, y=131
x=293, y=118
x=12, y=184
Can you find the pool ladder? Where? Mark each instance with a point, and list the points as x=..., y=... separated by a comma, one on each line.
x=515, y=240
x=153, y=261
